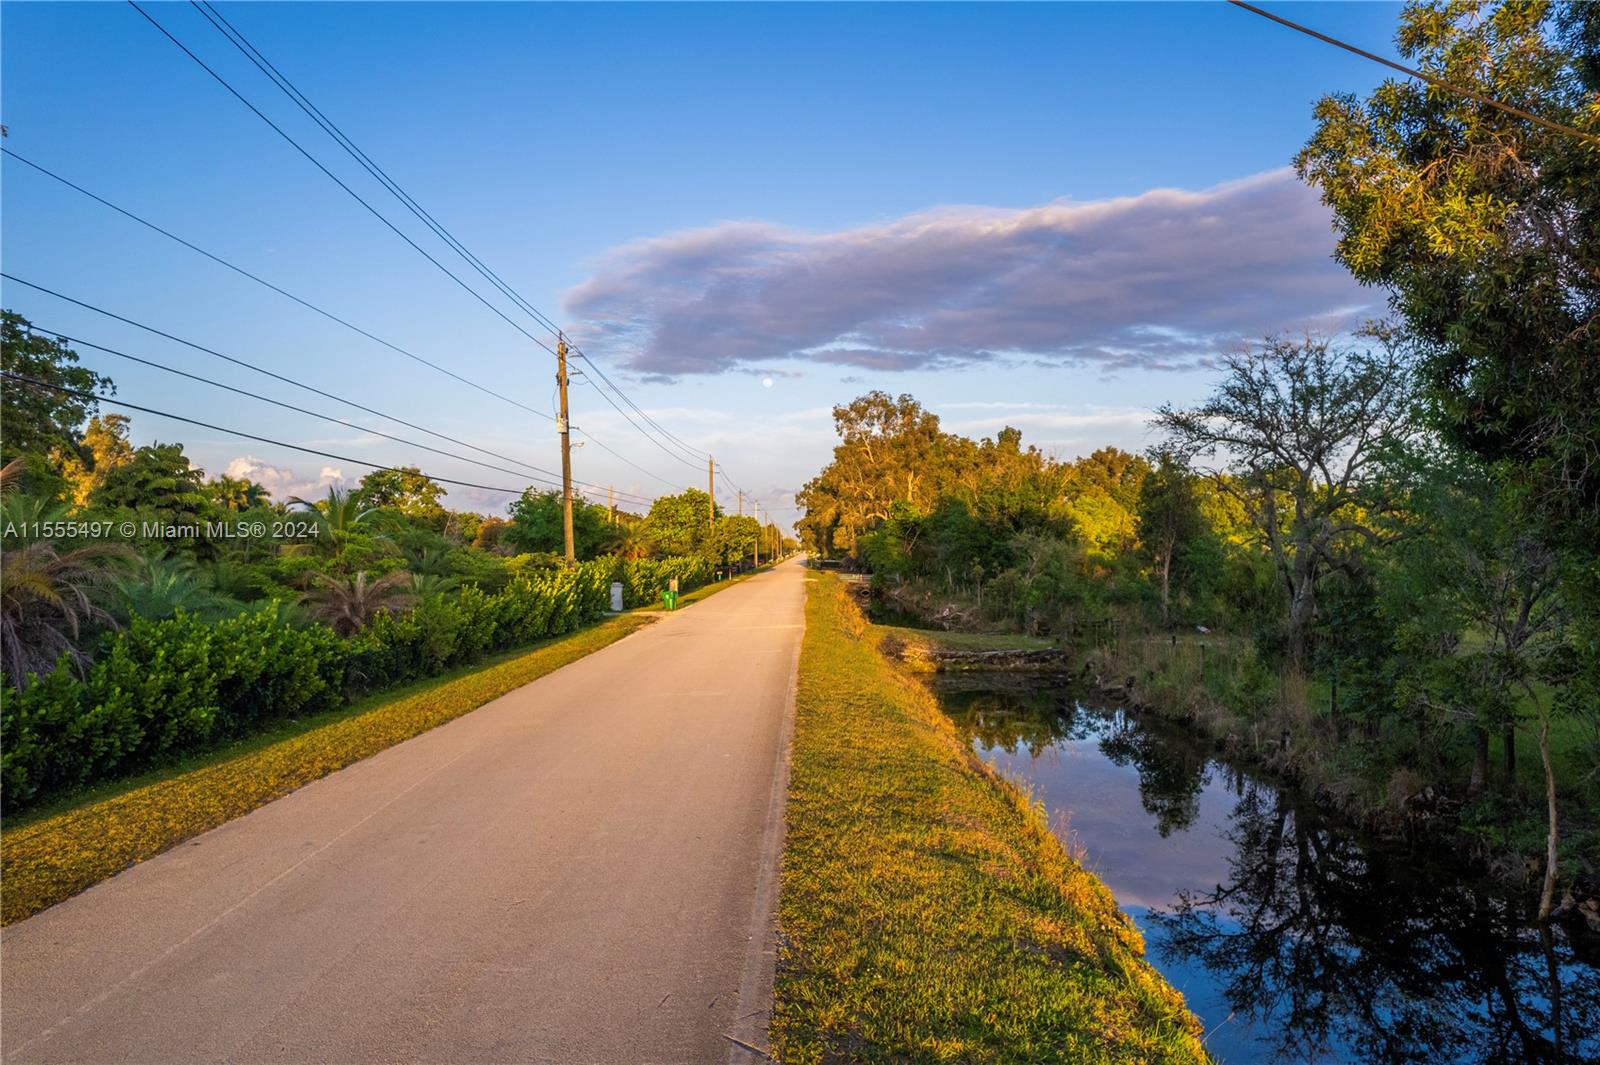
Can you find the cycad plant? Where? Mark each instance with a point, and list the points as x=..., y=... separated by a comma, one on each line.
x=162, y=585
x=48, y=597
x=348, y=604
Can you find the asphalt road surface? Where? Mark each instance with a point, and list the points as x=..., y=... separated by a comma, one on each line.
x=582, y=871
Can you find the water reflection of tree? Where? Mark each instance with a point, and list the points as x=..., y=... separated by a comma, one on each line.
x=1171, y=775
x=1013, y=716
x=1361, y=953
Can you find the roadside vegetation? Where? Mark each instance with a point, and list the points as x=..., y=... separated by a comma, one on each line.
x=149, y=613
x=927, y=912
x=1369, y=559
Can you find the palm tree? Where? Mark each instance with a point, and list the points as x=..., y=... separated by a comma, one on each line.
x=348, y=605
x=336, y=517
x=47, y=597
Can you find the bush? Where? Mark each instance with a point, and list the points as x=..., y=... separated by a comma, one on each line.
x=165, y=688
x=162, y=688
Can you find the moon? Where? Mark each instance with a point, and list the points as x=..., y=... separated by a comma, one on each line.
x=766, y=382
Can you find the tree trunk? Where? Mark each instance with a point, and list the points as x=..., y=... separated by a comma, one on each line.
x=1301, y=610
x=1510, y=752
x=1480, y=760
x=1548, y=895
x=1166, y=583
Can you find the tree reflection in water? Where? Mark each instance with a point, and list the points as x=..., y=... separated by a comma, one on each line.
x=1328, y=944
x=1374, y=950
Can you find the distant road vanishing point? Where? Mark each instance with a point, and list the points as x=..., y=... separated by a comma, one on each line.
x=582, y=871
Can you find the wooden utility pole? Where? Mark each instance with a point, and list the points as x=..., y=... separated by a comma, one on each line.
x=711, y=490
x=611, y=503
x=565, y=429
x=757, y=510
x=741, y=502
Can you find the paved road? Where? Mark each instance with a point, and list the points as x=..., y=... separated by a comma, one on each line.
x=580, y=872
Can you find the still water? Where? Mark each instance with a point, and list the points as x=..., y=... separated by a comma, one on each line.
x=1293, y=939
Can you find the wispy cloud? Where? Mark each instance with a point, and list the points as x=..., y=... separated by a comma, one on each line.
x=1162, y=280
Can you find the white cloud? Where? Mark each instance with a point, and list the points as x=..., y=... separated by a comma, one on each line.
x=281, y=482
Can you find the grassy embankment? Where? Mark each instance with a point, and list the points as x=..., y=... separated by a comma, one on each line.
x=927, y=912
x=59, y=850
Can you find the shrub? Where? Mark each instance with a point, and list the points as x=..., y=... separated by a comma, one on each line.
x=161, y=688
x=165, y=688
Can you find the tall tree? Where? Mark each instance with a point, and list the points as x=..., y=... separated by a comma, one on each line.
x=104, y=448
x=678, y=524
x=1169, y=518
x=1303, y=428
x=406, y=489
x=1485, y=229
x=888, y=452
x=36, y=420
x=537, y=525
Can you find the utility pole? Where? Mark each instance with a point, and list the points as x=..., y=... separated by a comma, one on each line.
x=611, y=503
x=757, y=510
x=741, y=502
x=564, y=427
x=711, y=491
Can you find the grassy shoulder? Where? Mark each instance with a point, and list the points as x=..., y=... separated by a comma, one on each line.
x=927, y=911
x=940, y=640
x=59, y=851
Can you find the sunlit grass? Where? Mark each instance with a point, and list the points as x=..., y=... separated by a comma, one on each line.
x=927, y=912
x=61, y=850
x=969, y=641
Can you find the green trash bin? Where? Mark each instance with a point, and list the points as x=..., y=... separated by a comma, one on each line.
x=669, y=599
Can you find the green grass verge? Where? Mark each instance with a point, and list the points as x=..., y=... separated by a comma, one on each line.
x=56, y=853
x=967, y=641
x=927, y=911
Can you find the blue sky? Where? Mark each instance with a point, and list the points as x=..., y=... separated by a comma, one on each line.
x=1042, y=215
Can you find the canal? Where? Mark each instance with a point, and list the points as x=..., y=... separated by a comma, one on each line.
x=1294, y=938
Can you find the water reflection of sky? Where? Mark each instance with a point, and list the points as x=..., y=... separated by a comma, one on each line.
x=1101, y=805
x=1095, y=803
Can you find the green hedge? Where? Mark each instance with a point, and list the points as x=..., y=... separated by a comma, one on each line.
x=164, y=688
x=643, y=580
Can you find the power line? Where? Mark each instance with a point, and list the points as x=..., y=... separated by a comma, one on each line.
x=335, y=178
x=268, y=284
x=275, y=376
x=277, y=402
x=9, y=376
x=1439, y=83
x=698, y=453
x=644, y=432
x=266, y=67
x=623, y=458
